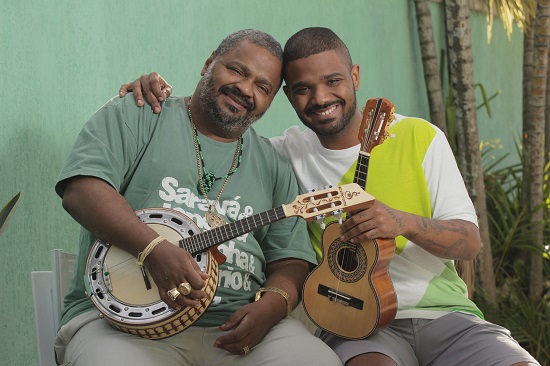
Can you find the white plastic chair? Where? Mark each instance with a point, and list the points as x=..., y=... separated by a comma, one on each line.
x=48, y=290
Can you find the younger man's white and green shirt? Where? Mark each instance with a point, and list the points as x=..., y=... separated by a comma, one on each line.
x=414, y=170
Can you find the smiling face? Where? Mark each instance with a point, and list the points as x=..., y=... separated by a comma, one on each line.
x=321, y=89
x=238, y=87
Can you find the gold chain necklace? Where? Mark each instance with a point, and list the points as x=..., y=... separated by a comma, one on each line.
x=213, y=218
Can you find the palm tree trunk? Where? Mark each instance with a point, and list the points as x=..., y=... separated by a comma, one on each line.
x=533, y=142
x=459, y=44
x=430, y=65
x=546, y=191
x=528, y=50
x=434, y=88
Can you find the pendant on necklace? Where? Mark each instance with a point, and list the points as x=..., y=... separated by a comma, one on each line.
x=207, y=182
x=214, y=219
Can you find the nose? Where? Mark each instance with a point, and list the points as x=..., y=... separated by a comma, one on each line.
x=320, y=96
x=246, y=87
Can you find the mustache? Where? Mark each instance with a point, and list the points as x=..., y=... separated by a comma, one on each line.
x=317, y=107
x=236, y=93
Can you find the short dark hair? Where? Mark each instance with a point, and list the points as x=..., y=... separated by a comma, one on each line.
x=311, y=41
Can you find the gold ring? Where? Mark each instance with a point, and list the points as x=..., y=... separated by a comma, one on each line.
x=246, y=350
x=184, y=288
x=173, y=294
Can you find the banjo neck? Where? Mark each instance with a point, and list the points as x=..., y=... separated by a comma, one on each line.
x=310, y=206
x=199, y=242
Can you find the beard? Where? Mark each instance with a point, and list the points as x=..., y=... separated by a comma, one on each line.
x=334, y=128
x=230, y=125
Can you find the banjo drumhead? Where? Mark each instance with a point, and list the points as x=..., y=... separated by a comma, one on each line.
x=116, y=283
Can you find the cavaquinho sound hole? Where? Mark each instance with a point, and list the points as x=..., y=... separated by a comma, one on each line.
x=347, y=261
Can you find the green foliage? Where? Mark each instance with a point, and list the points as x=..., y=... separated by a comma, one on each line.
x=7, y=212
x=520, y=12
x=511, y=231
x=486, y=99
x=529, y=323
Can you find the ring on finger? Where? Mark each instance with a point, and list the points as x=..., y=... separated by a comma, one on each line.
x=173, y=294
x=184, y=288
x=246, y=350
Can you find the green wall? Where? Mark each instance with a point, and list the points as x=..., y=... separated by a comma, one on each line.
x=60, y=60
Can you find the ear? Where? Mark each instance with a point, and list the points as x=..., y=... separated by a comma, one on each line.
x=208, y=63
x=356, y=76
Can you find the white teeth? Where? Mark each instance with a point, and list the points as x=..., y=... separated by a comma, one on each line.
x=326, y=113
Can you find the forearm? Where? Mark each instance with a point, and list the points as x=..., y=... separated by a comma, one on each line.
x=99, y=208
x=451, y=239
x=103, y=211
x=288, y=275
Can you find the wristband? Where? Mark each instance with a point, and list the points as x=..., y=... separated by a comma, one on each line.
x=280, y=292
x=148, y=249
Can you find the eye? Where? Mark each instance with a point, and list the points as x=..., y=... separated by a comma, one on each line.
x=333, y=82
x=235, y=70
x=264, y=88
x=301, y=90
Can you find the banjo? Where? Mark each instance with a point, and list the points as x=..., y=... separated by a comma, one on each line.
x=115, y=282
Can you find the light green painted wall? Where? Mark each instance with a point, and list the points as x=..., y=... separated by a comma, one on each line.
x=60, y=60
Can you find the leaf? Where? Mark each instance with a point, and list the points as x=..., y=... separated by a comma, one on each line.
x=485, y=99
x=7, y=212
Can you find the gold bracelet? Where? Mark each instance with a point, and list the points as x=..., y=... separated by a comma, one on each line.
x=280, y=292
x=148, y=249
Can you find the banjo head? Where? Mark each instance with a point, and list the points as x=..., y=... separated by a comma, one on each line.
x=117, y=288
